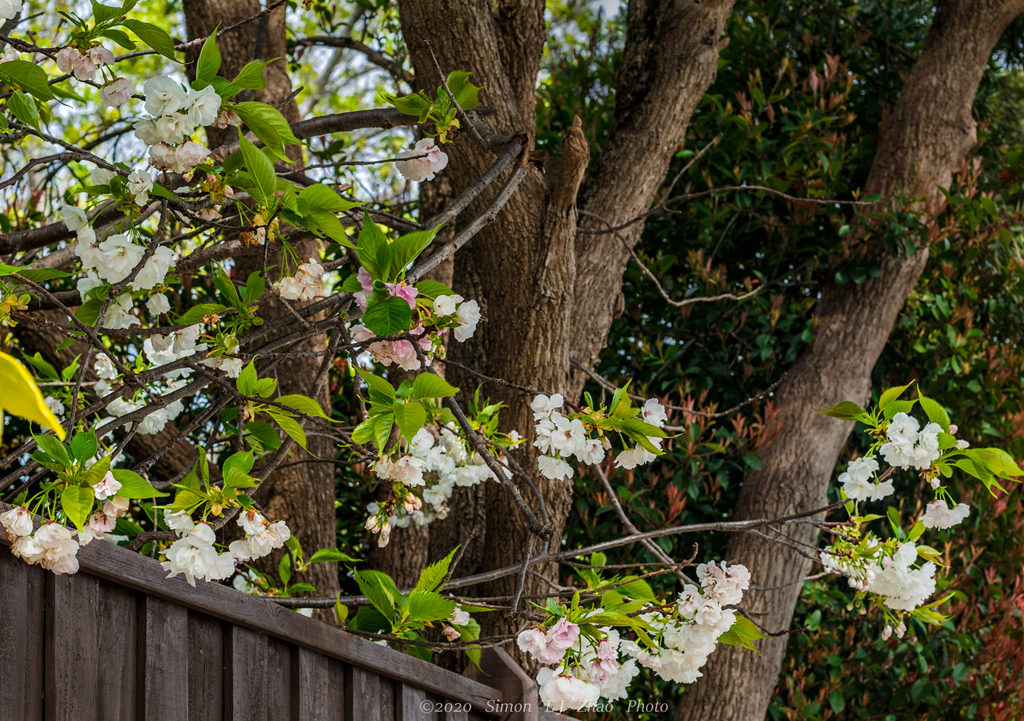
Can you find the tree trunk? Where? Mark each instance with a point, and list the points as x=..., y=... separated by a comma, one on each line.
x=547, y=292
x=303, y=494
x=924, y=142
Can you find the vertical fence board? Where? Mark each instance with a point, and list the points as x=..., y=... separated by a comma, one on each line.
x=205, y=668
x=163, y=654
x=72, y=641
x=117, y=633
x=279, y=680
x=362, y=698
x=22, y=599
x=336, y=690
x=245, y=697
x=389, y=689
x=413, y=704
x=310, y=687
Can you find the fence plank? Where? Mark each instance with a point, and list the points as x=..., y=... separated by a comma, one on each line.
x=310, y=674
x=245, y=696
x=205, y=668
x=279, y=680
x=413, y=704
x=164, y=648
x=72, y=641
x=336, y=688
x=363, y=698
x=22, y=599
x=117, y=626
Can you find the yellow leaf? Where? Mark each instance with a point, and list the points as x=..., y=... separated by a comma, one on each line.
x=20, y=396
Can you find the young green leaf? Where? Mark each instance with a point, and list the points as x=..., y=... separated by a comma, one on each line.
x=155, y=37
x=208, y=63
x=431, y=385
x=134, y=486
x=77, y=503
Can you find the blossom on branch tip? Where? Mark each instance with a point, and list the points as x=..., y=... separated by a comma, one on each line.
x=939, y=515
x=117, y=92
x=423, y=162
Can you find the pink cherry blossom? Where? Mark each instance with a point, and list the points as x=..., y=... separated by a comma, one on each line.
x=117, y=92
x=563, y=634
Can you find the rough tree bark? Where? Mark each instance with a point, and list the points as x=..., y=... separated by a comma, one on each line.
x=548, y=293
x=302, y=495
x=924, y=142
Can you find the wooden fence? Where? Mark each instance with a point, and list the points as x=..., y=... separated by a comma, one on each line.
x=119, y=640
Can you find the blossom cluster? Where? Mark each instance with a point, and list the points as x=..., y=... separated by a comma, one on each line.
x=702, y=617
x=53, y=546
x=424, y=479
x=911, y=446
x=83, y=66
x=175, y=115
x=306, y=284
x=581, y=668
x=448, y=311
x=559, y=437
x=194, y=556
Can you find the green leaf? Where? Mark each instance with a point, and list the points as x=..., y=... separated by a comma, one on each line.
x=380, y=590
x=303, y=404
x=893, y=407
x=432, y=288
x=466, y=94
x=935, y=412
x=432, y=575
x=104, y=13
x=331, y=555
x=428, y=606
x=155, y=37
x=742, y=633
x=208, y=63
x=323, y=197
x=262, y=172
x=243, y=461
x=380, y=390
x=382, y=423
x=197, y=312
x=996, y=460
x=431, y=385
x=846, y=411
x=374, y=252
x=134, y=486
x=267, y=124
x=250, y=77
x=246, y=381
x=119, y=37
x=406, y=248
x=363, y=433
x=83, y=446
x=326, y=222
x=291, y=427
x=24, y=108
x=836, y=701
x=28, y=76
x=410, y=417
x=891, y=394
x=388, y=316
x=77, y=503
x=52, y=447
x=351, y=284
